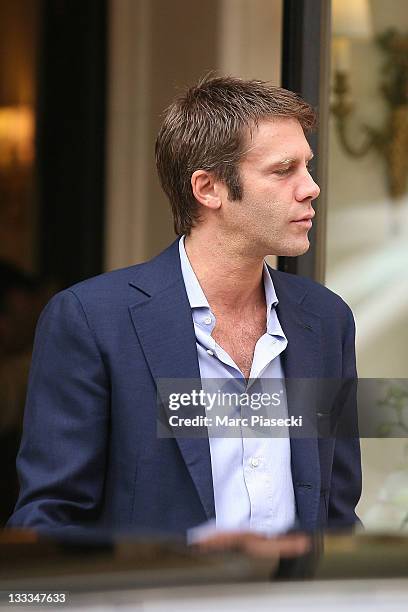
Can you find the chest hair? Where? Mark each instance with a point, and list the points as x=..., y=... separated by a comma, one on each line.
x=238, y=334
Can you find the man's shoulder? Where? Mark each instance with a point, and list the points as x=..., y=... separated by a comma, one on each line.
x=311, y=294
x=120, y=284
x=110, y=281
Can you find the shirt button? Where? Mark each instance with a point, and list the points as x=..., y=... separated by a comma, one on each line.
x=207, y=320
x=254, y=462
x=210, y=352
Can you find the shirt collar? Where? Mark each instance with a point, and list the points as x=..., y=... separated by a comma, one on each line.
x=270, y=293
x=196, y=295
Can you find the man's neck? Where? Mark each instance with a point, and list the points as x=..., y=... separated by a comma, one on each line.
x=231, y=279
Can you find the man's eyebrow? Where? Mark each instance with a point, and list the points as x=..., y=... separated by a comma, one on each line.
x=291, y=160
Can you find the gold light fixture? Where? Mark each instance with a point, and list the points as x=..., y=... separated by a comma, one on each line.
x=352, y=20
x=16, y=136
x=17, y=126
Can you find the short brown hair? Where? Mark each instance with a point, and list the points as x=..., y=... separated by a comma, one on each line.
x=205, y=127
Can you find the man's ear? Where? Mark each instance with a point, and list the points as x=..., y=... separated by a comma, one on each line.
x=206, y=189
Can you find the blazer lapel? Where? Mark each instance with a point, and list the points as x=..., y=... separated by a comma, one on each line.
x=302, y=359
x=163, y=323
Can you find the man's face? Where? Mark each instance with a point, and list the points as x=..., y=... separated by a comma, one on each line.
x=274, y=215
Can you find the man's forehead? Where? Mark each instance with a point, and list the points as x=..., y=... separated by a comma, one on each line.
x=280, y=137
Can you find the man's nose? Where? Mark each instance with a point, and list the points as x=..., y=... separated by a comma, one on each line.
x=307, y=189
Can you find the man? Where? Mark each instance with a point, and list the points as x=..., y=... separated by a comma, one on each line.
x=233, y=160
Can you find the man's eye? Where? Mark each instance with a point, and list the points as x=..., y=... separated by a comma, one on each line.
x=283, y=171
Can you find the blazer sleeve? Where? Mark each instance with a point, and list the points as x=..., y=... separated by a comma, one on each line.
x=345, y=489
x=61, y=462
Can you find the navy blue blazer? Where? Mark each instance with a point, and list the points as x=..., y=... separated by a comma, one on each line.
x=89, y=453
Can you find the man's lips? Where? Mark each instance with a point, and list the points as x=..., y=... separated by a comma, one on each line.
x=307, y=217
x=305, y=221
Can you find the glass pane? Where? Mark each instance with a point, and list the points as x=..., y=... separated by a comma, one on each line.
x=367, y=217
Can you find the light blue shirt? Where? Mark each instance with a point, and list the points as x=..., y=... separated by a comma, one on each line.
x=252, y=476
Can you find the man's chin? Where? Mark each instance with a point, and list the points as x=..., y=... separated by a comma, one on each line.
x=303, y=250
x=294, y=250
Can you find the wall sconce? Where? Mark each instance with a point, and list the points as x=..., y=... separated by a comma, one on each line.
x=16, y=136
x=17, y=126
x=352, y=20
